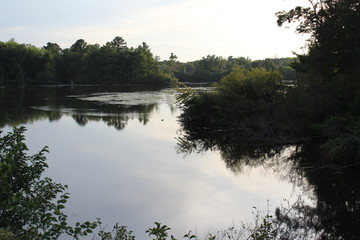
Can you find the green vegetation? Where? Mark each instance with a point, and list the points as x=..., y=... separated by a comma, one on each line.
x=243, y=104
x=323, y=105
x=212, y=68
x=82, y=63
x=115, y=63
x=31, y=206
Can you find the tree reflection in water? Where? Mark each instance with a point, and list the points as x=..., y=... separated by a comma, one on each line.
x=22, y=106
x=336, y=214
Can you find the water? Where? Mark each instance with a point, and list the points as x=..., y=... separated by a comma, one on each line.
x=119, y=151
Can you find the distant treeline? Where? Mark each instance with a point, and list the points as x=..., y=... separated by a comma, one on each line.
x=82, y=63
x=115, y=63
x=212, y=68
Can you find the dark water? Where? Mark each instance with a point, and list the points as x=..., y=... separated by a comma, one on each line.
x=127, y=160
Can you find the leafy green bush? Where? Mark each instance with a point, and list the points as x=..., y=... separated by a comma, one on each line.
x=256, y=84
x=244, y=101
x=162, y=78
x=30, y=206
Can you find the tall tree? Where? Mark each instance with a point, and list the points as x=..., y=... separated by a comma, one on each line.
x=118, y=43
x=54, y=48
x=334, y=26
x=79, y=46
x=171, y=64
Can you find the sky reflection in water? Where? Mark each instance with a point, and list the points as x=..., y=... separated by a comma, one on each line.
x=134, y=176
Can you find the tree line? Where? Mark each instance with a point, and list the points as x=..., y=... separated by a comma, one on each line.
x=82, y=63
x=116, y=63
x=212, y=68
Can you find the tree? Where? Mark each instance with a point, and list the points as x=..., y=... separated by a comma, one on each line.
x=240, y=61
x=171, y=64
x=119, y=43
x=21, y=63
x=334, y=27
x=54, y=48
x=330, y=74
x=79, y=46
x=17, y=73
x=82, y=63
x=143, y=63
x=173, y=57
x=213, y=64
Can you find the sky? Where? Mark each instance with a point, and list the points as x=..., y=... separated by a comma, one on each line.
x=191, y=29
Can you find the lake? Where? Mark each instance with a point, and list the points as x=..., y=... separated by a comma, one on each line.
x=120, y=150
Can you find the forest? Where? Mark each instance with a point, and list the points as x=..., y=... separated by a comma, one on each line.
x=115, y=63
x=82, y=63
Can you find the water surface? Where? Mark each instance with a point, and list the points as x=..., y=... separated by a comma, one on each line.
x=118, y=150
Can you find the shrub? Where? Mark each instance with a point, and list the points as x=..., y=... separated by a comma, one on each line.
x=256, y=84
x=29, y=204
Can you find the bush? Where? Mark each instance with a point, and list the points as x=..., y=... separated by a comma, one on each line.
x=345, y=148
x=257, y=84
x=29, y=204
x=162, y=78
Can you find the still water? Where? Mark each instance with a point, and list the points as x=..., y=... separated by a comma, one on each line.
x=118, y=150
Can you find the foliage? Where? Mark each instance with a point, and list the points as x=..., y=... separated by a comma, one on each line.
x=289, y=223
x=118, y=233
x=212, y=68
x=5, y=234
x=334, y=27
x=21, y=63
x=243, y=103
x=330, y=73
x=31, y=207
x=345, y=147
x=159, y=231
x=194, y=102
x=264, y=231
x=115, y=63
x=256, y=84
x=82, y=63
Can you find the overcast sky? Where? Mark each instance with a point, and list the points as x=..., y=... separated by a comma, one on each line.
x=191, y=29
